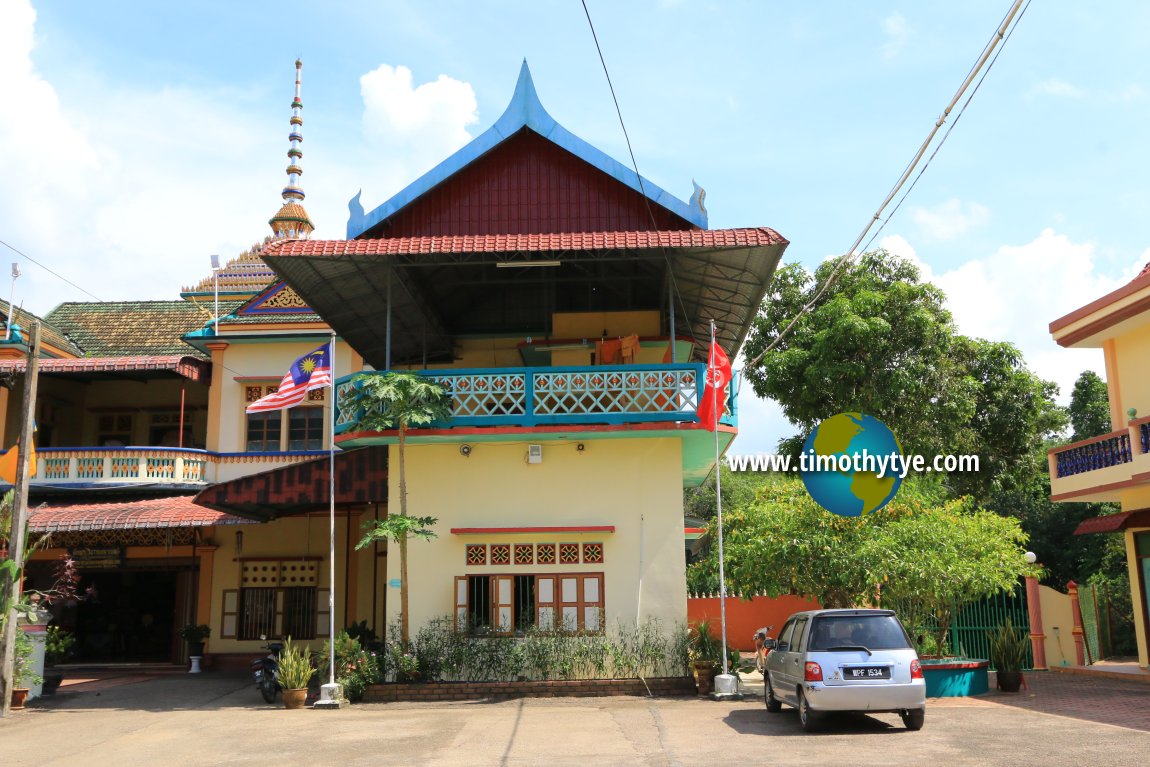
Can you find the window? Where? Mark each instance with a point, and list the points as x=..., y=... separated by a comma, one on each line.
x=114, y=430
x=264, y=431
x=305, y=428
x=277, y=598
x=511, y=604
x=275, y=431
x=785, y=637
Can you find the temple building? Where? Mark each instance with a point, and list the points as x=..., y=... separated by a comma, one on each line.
x=564, y=301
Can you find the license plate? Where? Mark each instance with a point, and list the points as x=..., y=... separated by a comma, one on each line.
x=867, y=672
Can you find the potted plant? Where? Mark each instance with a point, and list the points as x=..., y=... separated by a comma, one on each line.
x=704, y=653
x=195, y=635
x=57, y=649
x=1008, y=648
x=24, y=677
x=294, y=672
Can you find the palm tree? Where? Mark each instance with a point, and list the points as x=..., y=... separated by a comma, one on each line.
x=399, y=400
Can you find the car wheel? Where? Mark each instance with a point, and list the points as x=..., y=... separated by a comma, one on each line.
x=808, y=718
x=913, y=718
x=774, y=706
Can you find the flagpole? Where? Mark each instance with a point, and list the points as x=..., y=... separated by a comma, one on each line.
x=719, y=499
x=331, y=515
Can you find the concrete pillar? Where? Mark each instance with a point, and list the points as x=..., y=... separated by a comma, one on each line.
x=1037, y=637
x=1079, y=654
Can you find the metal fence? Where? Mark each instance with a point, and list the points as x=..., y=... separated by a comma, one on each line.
x=973, y=622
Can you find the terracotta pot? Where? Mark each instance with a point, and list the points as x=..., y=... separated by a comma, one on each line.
x=704, y=676
x=1009, y=681
x=19, y=697
x=294, y=698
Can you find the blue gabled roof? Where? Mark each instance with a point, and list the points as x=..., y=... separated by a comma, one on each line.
x=525, y=110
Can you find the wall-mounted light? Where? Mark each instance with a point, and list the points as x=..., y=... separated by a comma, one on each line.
x=465, y=451
x=580, y=447
x=239, y=543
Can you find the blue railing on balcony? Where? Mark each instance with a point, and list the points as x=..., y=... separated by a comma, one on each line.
x=1103, y=452
x=533, y=396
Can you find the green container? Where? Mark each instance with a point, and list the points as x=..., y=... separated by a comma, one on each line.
x=955, y=677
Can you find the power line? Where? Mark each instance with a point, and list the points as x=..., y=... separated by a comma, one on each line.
x=1004, y=31
x=635, y=165
x=50, y=271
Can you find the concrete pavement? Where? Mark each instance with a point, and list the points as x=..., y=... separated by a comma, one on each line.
x=213, y=718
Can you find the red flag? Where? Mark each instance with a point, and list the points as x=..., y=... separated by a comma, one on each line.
x=718, y=376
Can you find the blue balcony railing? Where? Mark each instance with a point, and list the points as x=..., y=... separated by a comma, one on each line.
x=535, y=396
x=1090, y=455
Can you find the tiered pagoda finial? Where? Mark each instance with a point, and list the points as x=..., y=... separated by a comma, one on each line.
x=292, y=221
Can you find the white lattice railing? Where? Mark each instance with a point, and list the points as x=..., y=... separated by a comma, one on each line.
x=533, y=396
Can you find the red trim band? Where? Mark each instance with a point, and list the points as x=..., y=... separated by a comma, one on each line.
x=494, y=530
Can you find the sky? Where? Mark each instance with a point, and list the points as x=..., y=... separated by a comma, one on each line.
x=138, y=138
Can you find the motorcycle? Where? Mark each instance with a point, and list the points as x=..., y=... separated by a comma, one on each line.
x=265, y=670
x=761, y=652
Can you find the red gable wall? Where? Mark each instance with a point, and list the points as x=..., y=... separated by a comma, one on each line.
x=527, y=185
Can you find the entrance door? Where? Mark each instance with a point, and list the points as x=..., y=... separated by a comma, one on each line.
x=128, y=616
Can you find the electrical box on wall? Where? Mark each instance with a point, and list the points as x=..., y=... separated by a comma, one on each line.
x=534, y=454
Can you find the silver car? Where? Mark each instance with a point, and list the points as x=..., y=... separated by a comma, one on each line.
x=845, y=660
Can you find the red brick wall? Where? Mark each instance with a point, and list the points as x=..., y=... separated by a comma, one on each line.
x=577, y=688
x=745, y=617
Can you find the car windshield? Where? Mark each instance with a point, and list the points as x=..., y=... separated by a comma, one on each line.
x=874, y=632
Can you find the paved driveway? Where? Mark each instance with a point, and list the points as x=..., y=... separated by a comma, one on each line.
x=219, y=719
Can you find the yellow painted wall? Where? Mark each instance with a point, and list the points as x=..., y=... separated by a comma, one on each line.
x=287, y=538
x=269, y=362
x=72, y=408
x=1058, y=625
x=1132, y=365
x=634, y=484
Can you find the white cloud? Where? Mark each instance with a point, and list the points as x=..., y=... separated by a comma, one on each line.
x=951, y=219
x=1056, y=87
x=1013, y=295
x=422, y=123
x=102, y=186
x=897, y=31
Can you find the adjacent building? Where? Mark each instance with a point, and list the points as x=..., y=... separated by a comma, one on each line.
x=1115, y=467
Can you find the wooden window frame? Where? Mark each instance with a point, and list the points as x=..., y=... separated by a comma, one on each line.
x=581, y=604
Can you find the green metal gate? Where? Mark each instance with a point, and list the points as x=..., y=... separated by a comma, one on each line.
x=973, y=622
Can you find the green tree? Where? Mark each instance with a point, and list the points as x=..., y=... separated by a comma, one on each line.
x=1089, y=407
x=881, y=342
x=877, y=341
x=785, y=543
x=930, y=559
x=922, y=552
x=398, y=400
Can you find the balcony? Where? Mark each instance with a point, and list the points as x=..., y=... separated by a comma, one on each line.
x=529, y=397
x=150, y=468
x=1100, y=468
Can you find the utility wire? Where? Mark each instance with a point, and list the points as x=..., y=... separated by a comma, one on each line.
x=945, y=136
x=635, y=164
x=1002, y=33
x=50, y=271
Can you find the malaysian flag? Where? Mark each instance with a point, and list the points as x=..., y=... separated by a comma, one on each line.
x=311, y=371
